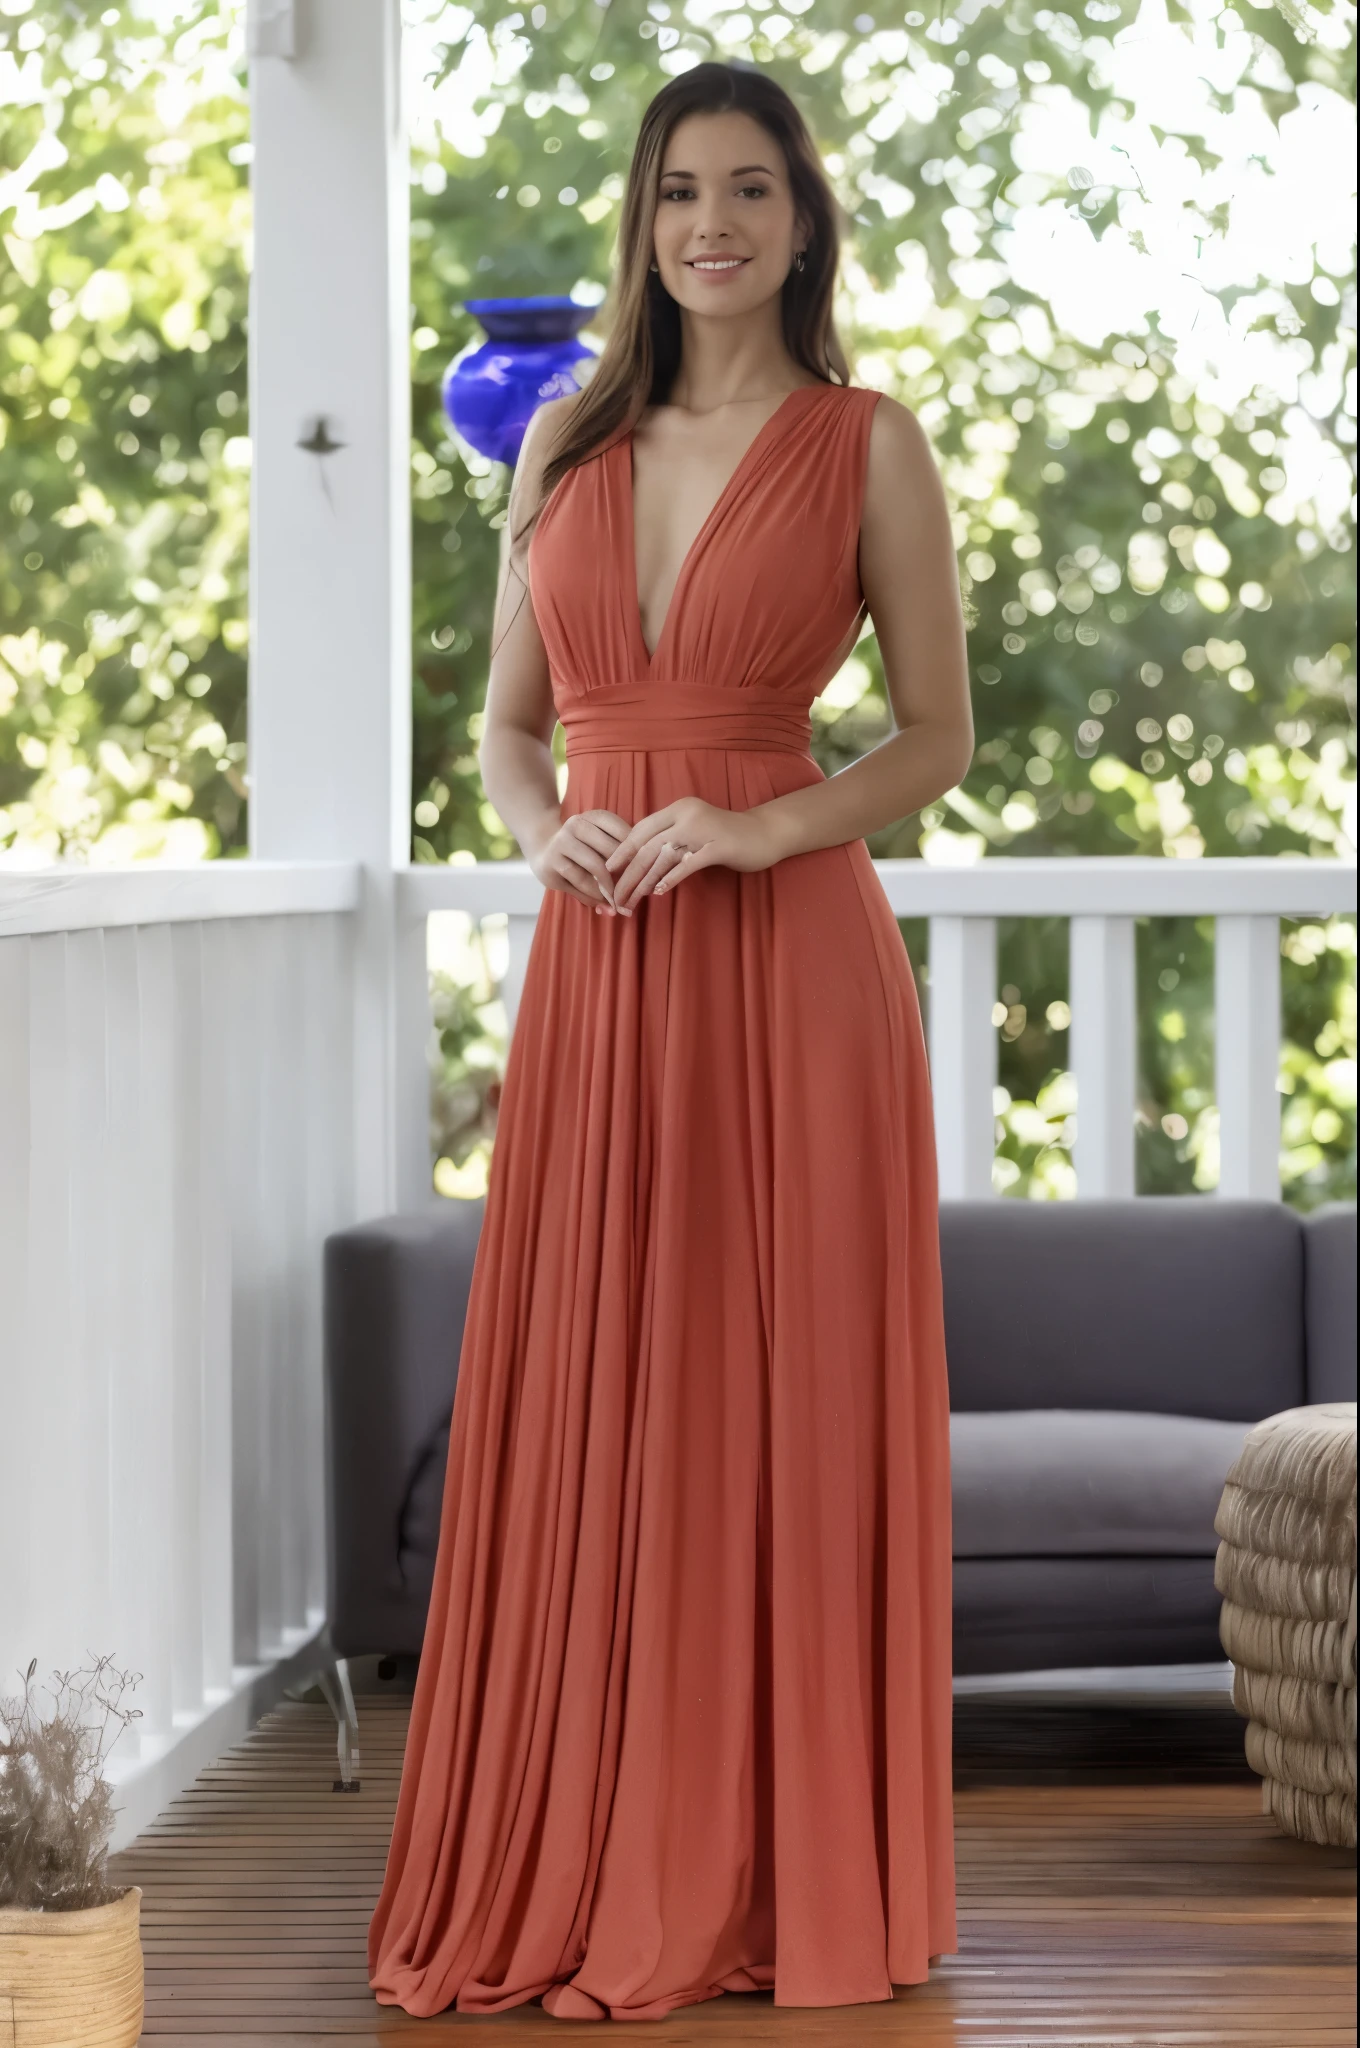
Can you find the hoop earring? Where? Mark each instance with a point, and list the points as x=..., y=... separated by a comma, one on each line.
x=799, y=260
x=654, y=266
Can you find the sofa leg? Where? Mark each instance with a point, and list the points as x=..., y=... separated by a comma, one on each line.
x=339, y=1693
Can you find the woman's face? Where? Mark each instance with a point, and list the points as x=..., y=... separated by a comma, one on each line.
x=725, y=228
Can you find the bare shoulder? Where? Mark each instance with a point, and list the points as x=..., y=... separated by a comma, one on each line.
x=543, y=435
x=903, y=487
x=896, y=436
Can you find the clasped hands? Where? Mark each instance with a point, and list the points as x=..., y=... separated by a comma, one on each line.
x=599, y=858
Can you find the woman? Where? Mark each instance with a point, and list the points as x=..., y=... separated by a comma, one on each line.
x=682, y=1719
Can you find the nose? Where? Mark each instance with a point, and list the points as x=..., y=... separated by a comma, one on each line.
x=712, y=219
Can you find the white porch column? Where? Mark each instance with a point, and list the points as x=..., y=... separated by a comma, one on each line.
x=330, y=565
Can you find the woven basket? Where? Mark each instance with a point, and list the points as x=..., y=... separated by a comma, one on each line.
x=72, y=1980
x=1286, y=1570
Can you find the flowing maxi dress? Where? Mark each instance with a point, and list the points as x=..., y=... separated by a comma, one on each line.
x=682, y=1717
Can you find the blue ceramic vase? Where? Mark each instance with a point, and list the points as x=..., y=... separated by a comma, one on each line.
x=530, y=355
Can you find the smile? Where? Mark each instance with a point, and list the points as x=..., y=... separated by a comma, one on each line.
x=717, y=262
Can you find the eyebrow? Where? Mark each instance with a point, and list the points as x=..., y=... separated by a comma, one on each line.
x=740, y=172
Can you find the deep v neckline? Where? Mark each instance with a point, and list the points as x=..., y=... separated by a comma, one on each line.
x=758, y=440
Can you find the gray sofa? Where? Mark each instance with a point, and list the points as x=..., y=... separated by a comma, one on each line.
x=1105, y=1361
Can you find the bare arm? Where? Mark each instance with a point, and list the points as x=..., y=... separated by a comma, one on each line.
x=518, y=772
x=515, y=755
x=910, y=580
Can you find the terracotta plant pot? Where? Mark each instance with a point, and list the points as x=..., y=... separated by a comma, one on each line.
x=72, y=1980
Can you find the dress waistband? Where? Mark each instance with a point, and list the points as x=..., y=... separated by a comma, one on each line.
x=661, y=714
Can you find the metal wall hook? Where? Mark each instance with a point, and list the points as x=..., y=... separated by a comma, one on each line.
x=319, y=441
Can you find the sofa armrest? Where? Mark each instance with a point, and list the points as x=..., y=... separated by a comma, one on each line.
x=395, y=1299
x=1329, y=1302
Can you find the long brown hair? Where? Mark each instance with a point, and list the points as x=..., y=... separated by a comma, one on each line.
x=641, y=355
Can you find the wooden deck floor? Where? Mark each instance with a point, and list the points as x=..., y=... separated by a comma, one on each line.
x=1092, y=1913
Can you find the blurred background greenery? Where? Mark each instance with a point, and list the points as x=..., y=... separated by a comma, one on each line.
x=1077, y=250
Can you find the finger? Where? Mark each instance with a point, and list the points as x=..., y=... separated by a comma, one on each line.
x=592, y=863
x=652, y=827
x=688, y=864
x=611, y=821
x=625, y=884
x=652, y=860
x=601, y=841
x=664, y=866
x=578, y=881
x=593, y=831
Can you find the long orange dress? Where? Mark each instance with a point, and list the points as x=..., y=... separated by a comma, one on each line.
x=682, y=1717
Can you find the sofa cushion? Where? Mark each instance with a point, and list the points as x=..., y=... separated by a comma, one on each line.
x=396, y=1294
x=1329, y=1301
x=418, y=1533
x=1062, y=1482
x=1054, y=1613
x=1181, y=1304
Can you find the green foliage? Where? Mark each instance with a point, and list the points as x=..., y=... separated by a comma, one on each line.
x=122, y=457
x=1162, y=636
x=1162, y=641
x=1132, y=560
x=466, y=963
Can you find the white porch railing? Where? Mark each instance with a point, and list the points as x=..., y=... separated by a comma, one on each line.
x=184, y=1108
x=175, y=1141
x=1102, y=897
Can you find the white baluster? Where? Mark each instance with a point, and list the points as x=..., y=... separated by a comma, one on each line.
x=520, y=933
x=1247, y=1054
x=1102, y=981
x=412, y=1029
x=214, y=1458
x=17, y=1393
x=270, y=1444
x=128, y=1641
x=94, y=1191
x=153, y=1369
x=47, y=1560
x=294, y=1362
x=963, y=1051
x=187, y=1176
x=247, y=1027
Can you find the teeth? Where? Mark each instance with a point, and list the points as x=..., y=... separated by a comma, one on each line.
x=728, y=263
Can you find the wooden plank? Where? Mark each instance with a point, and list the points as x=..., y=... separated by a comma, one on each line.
x=1091, y=1913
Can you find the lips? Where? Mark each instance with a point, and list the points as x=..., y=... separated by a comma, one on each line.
x=724, y=267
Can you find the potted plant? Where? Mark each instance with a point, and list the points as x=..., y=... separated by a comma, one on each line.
x=70, y=1943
